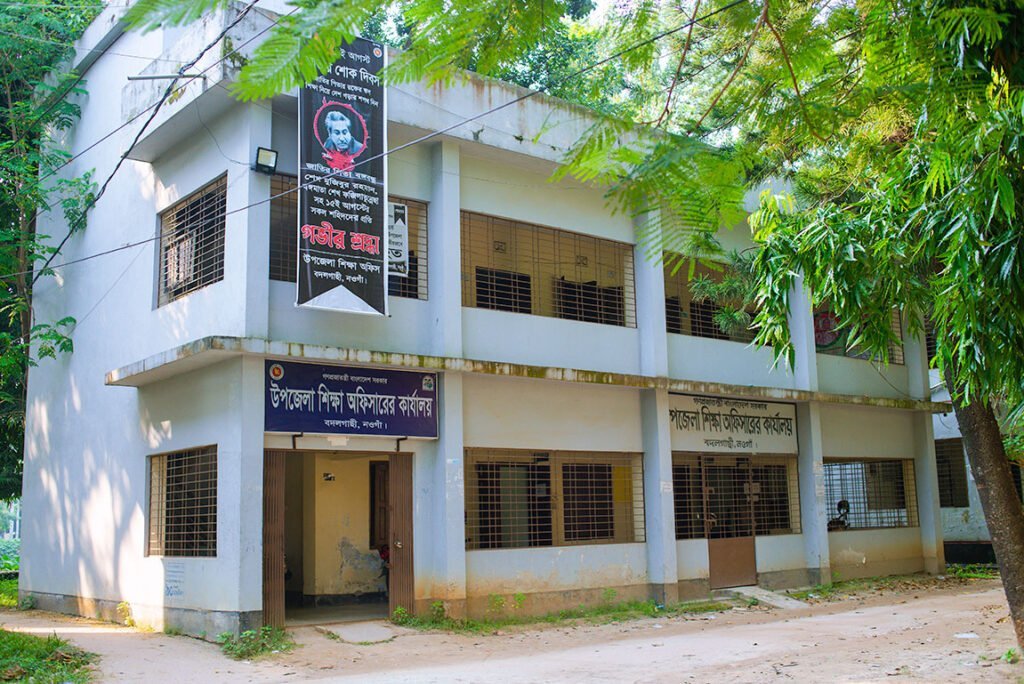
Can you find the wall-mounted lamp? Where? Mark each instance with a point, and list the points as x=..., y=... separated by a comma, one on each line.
x=266, y=160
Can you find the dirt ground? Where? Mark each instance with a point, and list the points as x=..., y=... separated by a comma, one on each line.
x=930, y=631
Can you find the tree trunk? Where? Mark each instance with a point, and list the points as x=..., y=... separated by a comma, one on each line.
x=999, y=498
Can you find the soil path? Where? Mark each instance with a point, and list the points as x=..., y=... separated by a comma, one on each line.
x=929, y=634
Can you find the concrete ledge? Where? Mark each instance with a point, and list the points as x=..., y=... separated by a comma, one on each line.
x=192, y=621
x=788, y=579
x=693, y=589
x=214, y=349
x=879, y=568
x=542, y=603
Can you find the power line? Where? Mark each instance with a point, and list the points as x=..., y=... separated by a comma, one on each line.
x=416, y=141
x=25, y=36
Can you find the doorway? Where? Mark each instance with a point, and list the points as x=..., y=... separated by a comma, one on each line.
x=729, y=496
x=337, y=536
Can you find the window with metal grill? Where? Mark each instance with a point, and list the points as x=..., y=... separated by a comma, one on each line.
x=930, y=343
x=870, y=494
x=685, y=315
x=830, y=339
x=519, y=499
x=192, y=242
x=525, y=268
x=952, y=471
x=284, y=213
x=762, y=488
x=183, y=503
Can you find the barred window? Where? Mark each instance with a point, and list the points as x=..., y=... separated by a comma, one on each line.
x=763, y=488
x=523, y=268
x=192, y=242
x=833, y=340
x=519, y=499
x=284, y=218
x=870, y=494
x=183, y=503
x=686, y=316
x=949, y=460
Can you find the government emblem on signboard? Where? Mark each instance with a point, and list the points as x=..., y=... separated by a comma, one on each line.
x=343, y=234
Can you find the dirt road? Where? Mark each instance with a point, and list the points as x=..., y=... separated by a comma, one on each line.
x=937, y=635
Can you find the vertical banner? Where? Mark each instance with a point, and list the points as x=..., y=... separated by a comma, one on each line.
x=343, y=236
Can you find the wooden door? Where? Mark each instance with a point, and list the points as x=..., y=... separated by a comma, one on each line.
x=273, y=538
x=729, y=520
x=401, y=592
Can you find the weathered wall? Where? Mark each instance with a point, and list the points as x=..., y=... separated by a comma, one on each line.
x=863, y=432
x=866, y=553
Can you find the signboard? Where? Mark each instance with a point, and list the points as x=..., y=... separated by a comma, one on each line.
x=731, y=426
x=398, y=239
x=826, y=331
x=343, y=241
x=349, y=400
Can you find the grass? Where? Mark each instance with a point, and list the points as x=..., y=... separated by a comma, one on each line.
x=9, y=593
x=973, y=571
x=254, y=643
x=601, y=614
x=24, y=657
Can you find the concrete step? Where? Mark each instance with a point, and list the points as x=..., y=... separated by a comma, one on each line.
x=763, y=596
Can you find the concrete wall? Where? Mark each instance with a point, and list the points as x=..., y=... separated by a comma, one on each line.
x=868, y=553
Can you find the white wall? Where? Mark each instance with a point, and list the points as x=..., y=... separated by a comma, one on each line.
x=536, y=570
x=863, y=553
x=866, y=432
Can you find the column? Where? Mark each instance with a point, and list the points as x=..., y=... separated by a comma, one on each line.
x=801, y=331
x=814, y=513
x=444, y=251
x=650, y=298
x=926, y=474
x=256, y=236
x=249, y=465
x=659, y=506
x=440, y=534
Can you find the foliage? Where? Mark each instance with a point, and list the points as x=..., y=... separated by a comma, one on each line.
x=606, y=612
x=8, y=593
x=24, y=657
x=972, y=571
x=34, y=114
x=10, y=550
x=253, y=643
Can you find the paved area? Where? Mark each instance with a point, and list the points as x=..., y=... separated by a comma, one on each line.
x=922, y=634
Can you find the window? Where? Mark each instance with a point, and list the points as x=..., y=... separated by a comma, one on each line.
x=284, y=220
x=378, y=504
x=686, y=316
x=520, y=499
x=830, y=339
x=764, y=487
x=192, y=242
x=524, y=268
x=870, y=494
x=949, y=459
x=183, y=503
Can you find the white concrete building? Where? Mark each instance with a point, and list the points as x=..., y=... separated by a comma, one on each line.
x=597, y=436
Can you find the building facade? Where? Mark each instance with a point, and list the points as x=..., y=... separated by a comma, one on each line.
x=597, y=436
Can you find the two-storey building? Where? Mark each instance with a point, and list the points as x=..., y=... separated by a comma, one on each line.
x=598, y=436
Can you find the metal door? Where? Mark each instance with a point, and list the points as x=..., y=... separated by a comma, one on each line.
x=401, y=591
x=729, y=521
x=273, y=538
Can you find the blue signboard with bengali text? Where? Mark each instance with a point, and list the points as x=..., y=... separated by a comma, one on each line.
x=349, y=400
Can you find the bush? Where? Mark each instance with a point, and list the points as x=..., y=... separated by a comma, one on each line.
x=253, y=643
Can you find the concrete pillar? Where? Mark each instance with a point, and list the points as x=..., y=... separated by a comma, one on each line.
x=801, y=330
x=248, y=463
x=441, y=532
x=915, y=357
x=444, y=251
x=926, y=474
x=650, y=299
x=814, y=513
x=255, y=225
x=659, y=507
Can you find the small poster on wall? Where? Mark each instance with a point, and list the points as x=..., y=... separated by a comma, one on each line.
x=343, y=237
x=398, y=239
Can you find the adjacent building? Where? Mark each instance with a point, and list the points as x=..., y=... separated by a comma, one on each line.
x=596, y=434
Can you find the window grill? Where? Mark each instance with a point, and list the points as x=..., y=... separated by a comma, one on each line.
x=284, y=221
x=745, y=495
x=930, y=341
x=192, y=242
x=832, y=340
x=519, y=499
x=870, y=494
x=949, y=460
x=524, y=268
x=686, y=316
x=183, y=503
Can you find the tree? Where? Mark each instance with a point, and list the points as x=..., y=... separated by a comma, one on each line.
x=897, y=124
x=34, y=109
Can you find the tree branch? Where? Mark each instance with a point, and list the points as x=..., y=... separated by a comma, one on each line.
x=792, y=74
x=739, y=65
